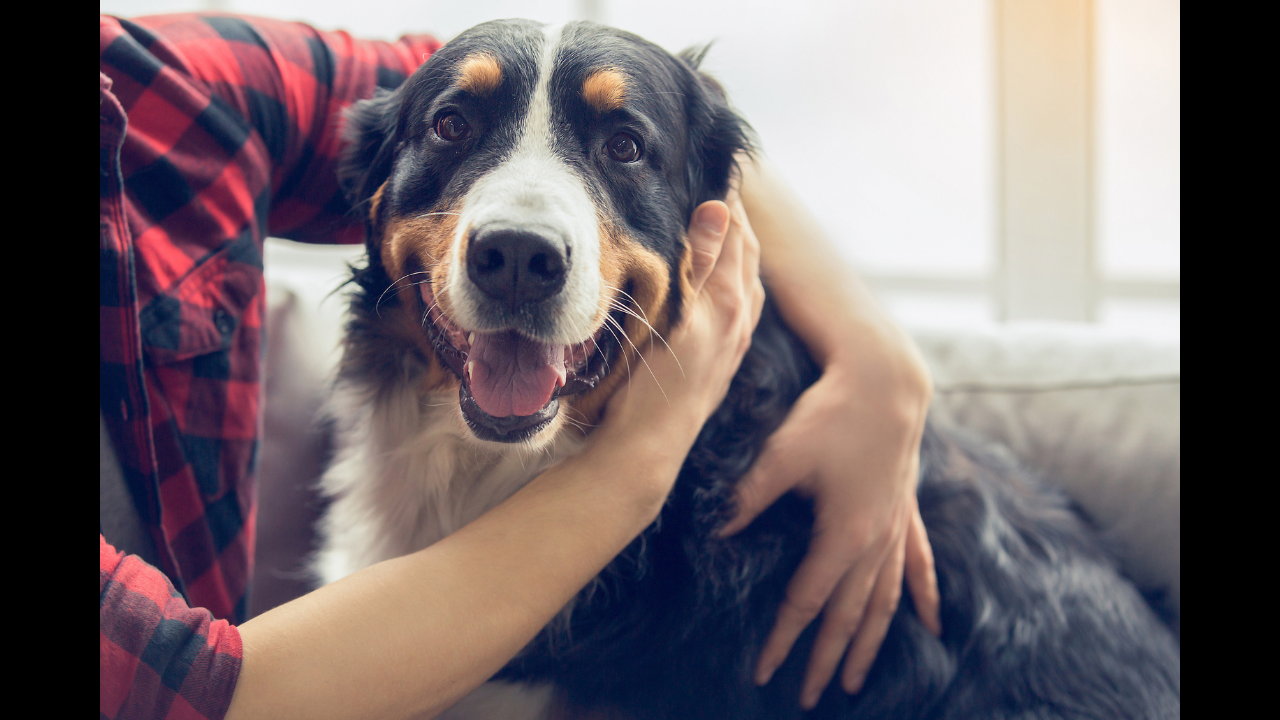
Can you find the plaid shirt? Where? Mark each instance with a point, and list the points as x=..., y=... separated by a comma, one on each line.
x=215, y=132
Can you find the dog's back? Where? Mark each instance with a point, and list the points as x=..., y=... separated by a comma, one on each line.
x=1036, y=620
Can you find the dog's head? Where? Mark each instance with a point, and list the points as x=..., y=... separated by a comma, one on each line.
x=530, y=188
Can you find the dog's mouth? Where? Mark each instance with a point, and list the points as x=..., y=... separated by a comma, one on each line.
x=511, y=384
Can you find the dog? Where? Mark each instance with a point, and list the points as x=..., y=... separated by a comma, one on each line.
x=526, y=194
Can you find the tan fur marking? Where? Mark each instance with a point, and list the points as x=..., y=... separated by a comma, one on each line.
x=605, y=90
x=375, y=202
x=429, y=241
x=627, y=265
x=480, y=74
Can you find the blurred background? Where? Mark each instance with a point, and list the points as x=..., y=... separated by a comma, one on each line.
x=979, y=161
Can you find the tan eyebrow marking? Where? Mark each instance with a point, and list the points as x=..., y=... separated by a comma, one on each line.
x=605, y=90
x=480, y=74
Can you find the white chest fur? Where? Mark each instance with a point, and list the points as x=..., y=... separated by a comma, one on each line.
x=408, y=473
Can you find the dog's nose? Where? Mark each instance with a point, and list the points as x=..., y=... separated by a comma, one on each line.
x=514, y=266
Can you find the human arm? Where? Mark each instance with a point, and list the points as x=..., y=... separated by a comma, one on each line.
x=237, y=109
x=852, y=441
x=158, y=657
x=410, y=636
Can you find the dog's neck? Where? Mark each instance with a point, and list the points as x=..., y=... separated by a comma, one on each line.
x=428, y=463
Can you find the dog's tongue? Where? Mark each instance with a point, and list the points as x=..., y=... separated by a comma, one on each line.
x=513, y=375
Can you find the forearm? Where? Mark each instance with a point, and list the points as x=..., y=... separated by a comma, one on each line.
x=818, y=293
x=408, y=637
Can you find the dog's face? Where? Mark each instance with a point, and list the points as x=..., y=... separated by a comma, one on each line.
x=531, y=186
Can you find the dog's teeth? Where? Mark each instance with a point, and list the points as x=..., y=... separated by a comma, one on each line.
x=467, y=368
x=471, y=339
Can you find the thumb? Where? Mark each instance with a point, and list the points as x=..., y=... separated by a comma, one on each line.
x=780, y=467
x=707, y=231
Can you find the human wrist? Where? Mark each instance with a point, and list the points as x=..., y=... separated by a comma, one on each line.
x=881, y=358
x=645, y=449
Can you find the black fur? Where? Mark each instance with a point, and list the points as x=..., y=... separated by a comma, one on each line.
x=1037, y=621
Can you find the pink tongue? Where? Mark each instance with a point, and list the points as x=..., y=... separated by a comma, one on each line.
x=513, y=375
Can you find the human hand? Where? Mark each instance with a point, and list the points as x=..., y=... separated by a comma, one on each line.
x=852, y=442
x=684, y=380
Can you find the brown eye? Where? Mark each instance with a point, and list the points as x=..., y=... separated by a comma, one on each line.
x=623, y=148
x=453, y=128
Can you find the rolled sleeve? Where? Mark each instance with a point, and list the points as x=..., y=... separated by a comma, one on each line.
x=158, y=657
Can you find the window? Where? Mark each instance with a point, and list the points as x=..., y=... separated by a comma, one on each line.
x=976, y=161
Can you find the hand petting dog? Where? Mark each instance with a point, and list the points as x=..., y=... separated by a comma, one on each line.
x=852, y=443
x=706, y=348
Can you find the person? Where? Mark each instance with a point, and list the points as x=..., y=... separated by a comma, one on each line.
x=216, y=131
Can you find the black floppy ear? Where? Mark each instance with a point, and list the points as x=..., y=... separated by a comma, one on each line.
x=368, y=137
x=716, y=133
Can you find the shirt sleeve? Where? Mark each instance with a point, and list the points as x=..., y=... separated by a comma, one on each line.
x=292, y=83
x=157, y=657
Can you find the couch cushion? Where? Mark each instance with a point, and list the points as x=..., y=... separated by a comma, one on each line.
x=1096, y=413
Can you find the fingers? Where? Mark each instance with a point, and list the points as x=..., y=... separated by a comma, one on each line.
x=724, y=286
x=750, y=268
x=707, y=232
x=776, y=471
x=751, y=244
x=733, y=285
x=827, y=561
x=922, y=578
x=757, y=306
x=842, y=619
x=875, y=624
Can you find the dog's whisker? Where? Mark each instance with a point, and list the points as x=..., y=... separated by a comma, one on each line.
x=427, y=314
x=604, y=357
x=580, y=423
x=580, y=427
x=652, y=332
x=646, y=362
x=643, y=317
x=609, y=325
x=438, y=297
x=625, y=308
x=629, y=296
x=608, y=321
x=409, y=285
x=377, y=304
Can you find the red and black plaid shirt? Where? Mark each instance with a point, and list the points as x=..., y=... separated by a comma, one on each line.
x=216, y=131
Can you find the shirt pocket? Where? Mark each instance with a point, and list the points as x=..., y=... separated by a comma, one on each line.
x=199, y=315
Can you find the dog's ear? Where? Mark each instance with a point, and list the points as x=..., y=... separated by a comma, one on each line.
x=368, y=135
x=716, y=133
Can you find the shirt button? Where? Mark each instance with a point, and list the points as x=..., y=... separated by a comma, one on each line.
x=223, y=321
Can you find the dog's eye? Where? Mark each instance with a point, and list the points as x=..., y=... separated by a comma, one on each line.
x=623, y=148
x=453, y=128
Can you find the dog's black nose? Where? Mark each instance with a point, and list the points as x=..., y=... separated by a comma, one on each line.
x=514, y=266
